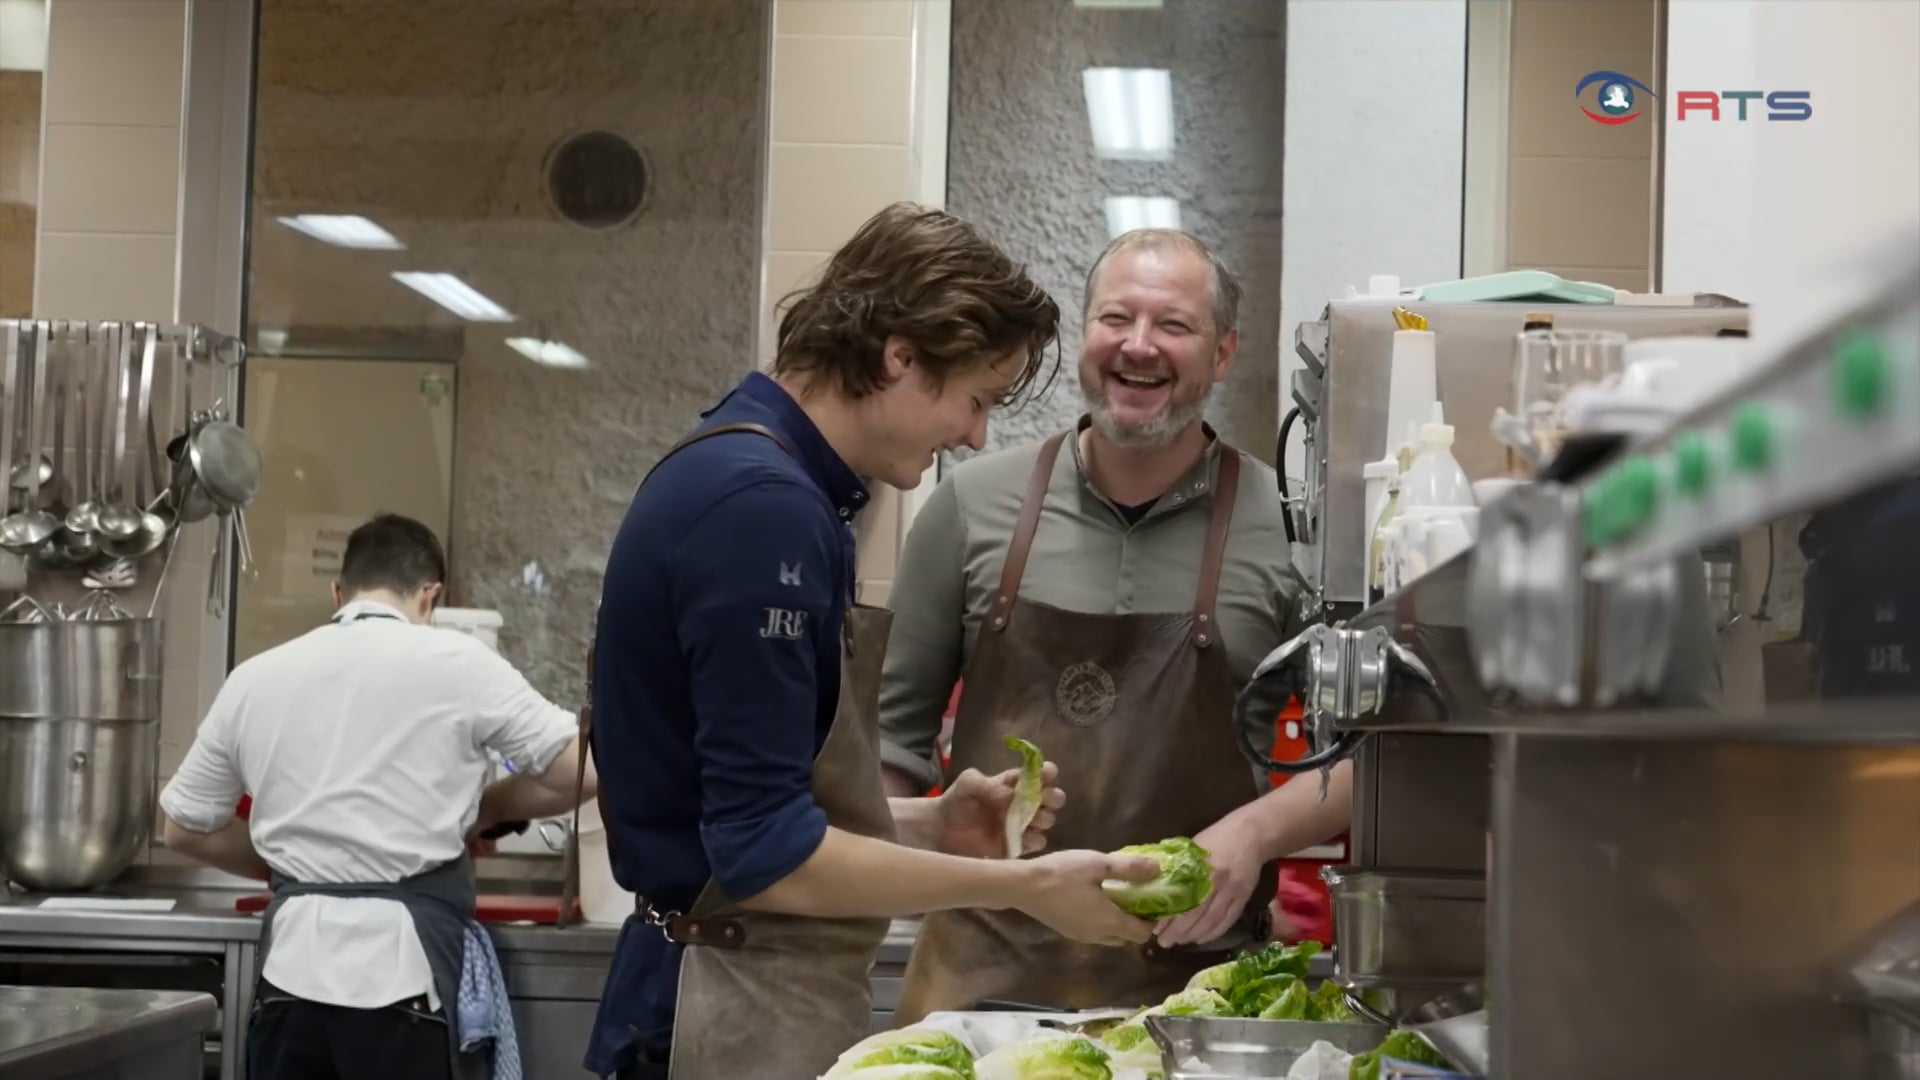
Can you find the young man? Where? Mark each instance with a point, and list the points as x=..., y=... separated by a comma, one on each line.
x=1106, y=595
x=734, y=680
x=364, y=744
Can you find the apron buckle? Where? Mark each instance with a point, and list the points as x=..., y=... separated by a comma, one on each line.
x=653, y=917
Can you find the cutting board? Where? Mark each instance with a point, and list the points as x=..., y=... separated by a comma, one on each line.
x=489, y=907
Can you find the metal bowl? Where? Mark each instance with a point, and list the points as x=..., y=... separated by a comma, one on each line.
x=1211, y=1046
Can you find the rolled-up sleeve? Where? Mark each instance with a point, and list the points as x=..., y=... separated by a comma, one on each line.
x=206, y=788
x=510, y=717
x=924, y=647
x=753, y=593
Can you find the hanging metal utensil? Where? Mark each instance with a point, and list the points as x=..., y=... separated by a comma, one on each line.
x=67, y=548
x=85, y=515
x=227, y=463
x=120, y=519
x=24, y=532
x=153, y=528
x=9, y=404
x=34, y=467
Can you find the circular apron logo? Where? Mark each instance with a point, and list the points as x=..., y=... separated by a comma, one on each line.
x=1084, y=695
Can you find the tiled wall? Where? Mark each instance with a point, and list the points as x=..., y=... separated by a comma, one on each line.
x=1580, y=194
x=108, y=247
x=110, y=190
x=19, y=187
x=857, y=121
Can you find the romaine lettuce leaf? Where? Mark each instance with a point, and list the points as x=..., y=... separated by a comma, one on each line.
x=1026, y=794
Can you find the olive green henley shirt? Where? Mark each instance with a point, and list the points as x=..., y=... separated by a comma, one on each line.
x=1085, y=557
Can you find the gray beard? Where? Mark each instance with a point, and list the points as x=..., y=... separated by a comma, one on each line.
x=1152, y=435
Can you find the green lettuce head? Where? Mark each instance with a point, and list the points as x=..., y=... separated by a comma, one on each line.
x=1026, y=794
x=1400, y=1046
x=1184, y=882
x=1049, y=1058
x=1131, y=1034
x=920, y=1047
x=1328, y=1004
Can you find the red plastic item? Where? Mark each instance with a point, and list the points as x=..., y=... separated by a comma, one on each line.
x=489, y=907
x=1302, y=899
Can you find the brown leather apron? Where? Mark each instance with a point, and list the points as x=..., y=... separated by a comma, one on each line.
x=779, y=997
x=1137, y=709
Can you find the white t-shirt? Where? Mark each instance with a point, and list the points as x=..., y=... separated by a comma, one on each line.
x=364, y=744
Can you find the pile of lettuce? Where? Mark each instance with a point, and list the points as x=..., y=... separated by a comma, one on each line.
x=1268, y=985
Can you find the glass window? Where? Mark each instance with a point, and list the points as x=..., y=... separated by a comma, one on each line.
x=500, y=256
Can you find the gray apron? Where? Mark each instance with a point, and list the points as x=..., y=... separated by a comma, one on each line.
x=779, y=997
x=1137, y=709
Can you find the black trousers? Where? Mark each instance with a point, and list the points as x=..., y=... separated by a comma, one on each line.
x=293, y=1039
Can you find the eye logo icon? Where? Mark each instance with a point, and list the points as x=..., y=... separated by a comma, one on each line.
x=1616, y=96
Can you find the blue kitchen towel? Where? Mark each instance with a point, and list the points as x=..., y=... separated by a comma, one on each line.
x=485, y=1012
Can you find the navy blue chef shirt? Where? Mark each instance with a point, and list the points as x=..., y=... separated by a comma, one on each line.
x=716, y=675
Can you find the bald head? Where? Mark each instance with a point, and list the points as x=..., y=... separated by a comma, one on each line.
x=1223, y=287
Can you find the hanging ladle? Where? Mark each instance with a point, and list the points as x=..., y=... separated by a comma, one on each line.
x=85, y=515
x=120, y=520
x=24, y=532
x=69, y=547
x=153, y=527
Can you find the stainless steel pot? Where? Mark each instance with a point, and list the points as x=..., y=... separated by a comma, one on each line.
x=76, y=805
x=95, y=669
x=79, y=742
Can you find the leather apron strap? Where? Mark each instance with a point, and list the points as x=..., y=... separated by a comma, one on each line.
x=1226, y=485
x=570, y=875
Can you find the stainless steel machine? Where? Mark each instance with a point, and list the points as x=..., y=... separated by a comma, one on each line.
x=1661, y=820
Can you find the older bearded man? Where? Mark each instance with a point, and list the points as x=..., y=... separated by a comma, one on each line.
x=1108, y=603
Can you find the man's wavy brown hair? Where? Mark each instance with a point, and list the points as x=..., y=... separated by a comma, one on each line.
x=934, y=280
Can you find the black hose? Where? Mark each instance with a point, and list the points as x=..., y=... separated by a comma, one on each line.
x=1280, y=469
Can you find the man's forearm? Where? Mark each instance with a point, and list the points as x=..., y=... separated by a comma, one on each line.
x=1293, y=817
x=523, y=797
x=229, y=848
x=851, y=876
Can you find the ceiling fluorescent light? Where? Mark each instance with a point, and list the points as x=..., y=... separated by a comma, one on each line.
x=555, y=354
x=1130, y=111
x=344, y=230
x=453, y=294
x=1126, y=213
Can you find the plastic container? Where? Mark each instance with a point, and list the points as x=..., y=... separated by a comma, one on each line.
x=1413, y=384
x=602, y=900
x=474, y=622
x=1380, y=476
x=1435, y=480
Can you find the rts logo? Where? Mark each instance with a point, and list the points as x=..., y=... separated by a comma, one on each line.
x=1780, y=104
x=1617, y=101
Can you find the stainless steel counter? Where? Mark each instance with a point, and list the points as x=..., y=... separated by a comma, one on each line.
x=554, y=976
x=85, y=1034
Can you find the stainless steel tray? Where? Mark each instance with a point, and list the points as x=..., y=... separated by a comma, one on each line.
x=1208, y=1048
x=1407, y=929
